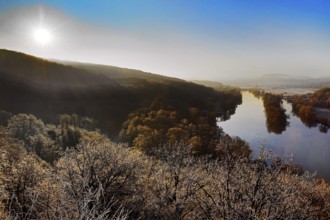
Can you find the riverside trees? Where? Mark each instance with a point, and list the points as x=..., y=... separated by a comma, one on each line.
x=276, y=118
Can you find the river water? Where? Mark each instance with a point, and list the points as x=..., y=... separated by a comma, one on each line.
x=307, y=146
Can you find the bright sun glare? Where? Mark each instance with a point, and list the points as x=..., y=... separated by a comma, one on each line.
x=42, y=36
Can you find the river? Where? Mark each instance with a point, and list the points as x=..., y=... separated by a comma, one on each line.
x=306, y=146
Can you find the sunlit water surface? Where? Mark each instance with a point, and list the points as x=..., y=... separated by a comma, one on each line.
x=307, y=146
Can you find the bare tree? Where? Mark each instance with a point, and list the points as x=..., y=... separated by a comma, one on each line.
x=98, y=180
x=173, y=180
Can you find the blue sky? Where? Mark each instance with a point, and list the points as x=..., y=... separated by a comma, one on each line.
x=191, y=13
x=181, y=38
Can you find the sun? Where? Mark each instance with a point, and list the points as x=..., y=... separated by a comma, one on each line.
x=42, y=36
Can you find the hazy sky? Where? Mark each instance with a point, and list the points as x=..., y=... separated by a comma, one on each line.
x=190, y=39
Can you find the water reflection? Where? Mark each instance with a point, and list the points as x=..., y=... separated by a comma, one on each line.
x=308, y=146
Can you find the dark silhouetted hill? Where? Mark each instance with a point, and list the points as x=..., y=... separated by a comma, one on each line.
x=47, y=88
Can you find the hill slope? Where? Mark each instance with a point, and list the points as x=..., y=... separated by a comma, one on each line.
x=108, y=94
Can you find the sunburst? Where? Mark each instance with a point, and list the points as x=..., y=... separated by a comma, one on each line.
x=42, y=36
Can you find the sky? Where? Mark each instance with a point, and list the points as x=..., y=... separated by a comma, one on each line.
x=189, y=39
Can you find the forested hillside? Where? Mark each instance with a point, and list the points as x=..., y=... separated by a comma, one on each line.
x=107, y=94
